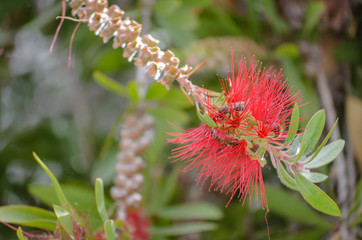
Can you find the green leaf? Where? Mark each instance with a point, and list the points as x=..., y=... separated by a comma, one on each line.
x=313, y=234
x=357, y=200
x=169, y=187
x=132, y=91
x=99, y=192
x=327, y=154
x=189, y=211
x=285, y=177
x=313, y=131
x=288, y=205
x=110, y=230
x=312, y=17
x=81, y=197
x=294, y=124
x=156, y=91
x=316, y=197
x=58, y=190
x=28, y=216
x=323, y=143
x=271, y=13
x=296, y=146
x=20, y=234
x=183, y=228
x=170, y=114
x=287, y=50
x=108, y=83
x=65, y=219
x=206, y=119
x=176, y=98
x=314, y=177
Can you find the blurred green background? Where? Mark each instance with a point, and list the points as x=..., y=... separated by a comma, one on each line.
x=65, y=116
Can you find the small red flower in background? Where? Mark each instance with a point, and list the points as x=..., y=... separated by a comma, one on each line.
x=250, y=116
x=137, y=225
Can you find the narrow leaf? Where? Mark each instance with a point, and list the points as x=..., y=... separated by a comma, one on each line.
x=99, y=192
x=28, y=216
x=58, y=190
x=285, y=203
x=206, y=119
x=314, y=177
x=110, y=230
x=65, y=219
x=285, y=177
x=294, y=124
x=20, y=234
x=201, y=210
x=156, y=91
x=327, y=154
x=323, y=143
x=132, y=91
x=313, y=131
x=316, y=197
x=108, y=83
x=183, y=228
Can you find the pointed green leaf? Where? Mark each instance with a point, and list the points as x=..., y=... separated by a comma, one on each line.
x=296, y=146
x=316, y=197
x=290, y=206
x=285, y=177
x=110, y=230
x=58, y=190
x=294, y=124
x=313, y=131
x=326, y=155
x=20, y=234
x=189, y=211
x=101, y=207
x=183, y=228
x=313, y=15
x=170, y=186
x=156, y=91
x=28, y=216
x=108, y=83
x=206, y=119
x=357, y=199
x=314, y=177
x=65, y=219
x=132, y=91
x=323, y=143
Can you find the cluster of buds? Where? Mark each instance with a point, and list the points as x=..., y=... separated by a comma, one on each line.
x=136, y=135
x=107, y=22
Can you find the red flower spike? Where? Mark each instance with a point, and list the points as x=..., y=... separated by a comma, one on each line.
x=250, y=115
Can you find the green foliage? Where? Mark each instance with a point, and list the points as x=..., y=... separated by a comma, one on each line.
x=28, y=216
x=201, y=210
x=65, y=220
x=110, y=230
x=316, y=197
x=58, y=190
x=285, y=204
x=326, y=155
x=20, y=234
x=313, y=15
x=293, y=128
x=183, y=229
x=108, y=83
x=101, y=207
x=313, y=131
x=205, y=118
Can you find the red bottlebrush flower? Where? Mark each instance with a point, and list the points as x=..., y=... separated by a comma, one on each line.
x=250, y=116
x=137, y=225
